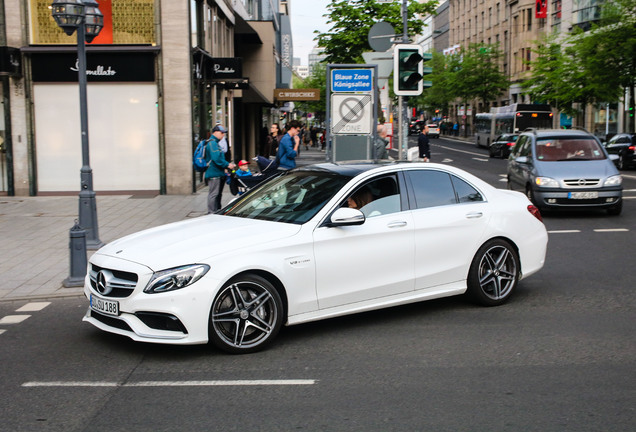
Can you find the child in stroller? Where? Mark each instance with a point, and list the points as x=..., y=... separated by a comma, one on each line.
x=240, y=182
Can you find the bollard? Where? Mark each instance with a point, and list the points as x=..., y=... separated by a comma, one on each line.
x=77, y=244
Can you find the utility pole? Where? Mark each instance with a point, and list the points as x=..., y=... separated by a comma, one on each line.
x=402, y=108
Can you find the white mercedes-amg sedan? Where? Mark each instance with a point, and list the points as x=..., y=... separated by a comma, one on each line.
x=313, y=243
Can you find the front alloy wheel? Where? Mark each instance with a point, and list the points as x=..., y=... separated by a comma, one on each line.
x=494, y=273
x=246, y=315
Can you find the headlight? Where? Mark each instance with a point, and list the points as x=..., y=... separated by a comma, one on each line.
x=546, y=182
x=616, y=180
x=175, y=278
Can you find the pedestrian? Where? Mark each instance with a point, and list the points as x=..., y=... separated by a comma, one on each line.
x=424, y=145
x=288, y=147
x=456, y=129
x=215, y=174
x=380, y=143
x=273, y=139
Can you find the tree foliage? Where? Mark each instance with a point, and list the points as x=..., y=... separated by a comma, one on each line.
x=351, y=21
x=317, y=79
x=471, y=74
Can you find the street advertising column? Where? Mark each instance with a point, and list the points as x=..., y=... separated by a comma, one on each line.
x=351, y=113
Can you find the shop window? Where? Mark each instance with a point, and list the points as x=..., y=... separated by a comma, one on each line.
x=125, y=22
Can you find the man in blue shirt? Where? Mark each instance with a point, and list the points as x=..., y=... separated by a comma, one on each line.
x=288, y=147
x=215, y=174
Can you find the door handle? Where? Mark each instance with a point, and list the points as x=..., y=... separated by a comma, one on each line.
x=474, y=215
x=396, y=224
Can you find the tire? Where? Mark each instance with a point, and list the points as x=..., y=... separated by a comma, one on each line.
x=616, y=209
x=530, y=195
x=494, y=273
x=246, y=315
x=490, y=152
x=621, y=163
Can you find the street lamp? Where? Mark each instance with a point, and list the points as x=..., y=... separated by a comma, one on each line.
x=85, y=17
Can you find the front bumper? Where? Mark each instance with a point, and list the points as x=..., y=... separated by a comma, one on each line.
x=560, y=198
x=176, y=317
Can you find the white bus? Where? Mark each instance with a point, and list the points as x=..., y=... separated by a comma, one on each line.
x=513, y=118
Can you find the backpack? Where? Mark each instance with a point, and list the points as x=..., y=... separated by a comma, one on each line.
x=199, y=162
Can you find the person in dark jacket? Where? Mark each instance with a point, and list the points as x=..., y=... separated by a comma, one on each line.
x=215, y=174
x=424, y=145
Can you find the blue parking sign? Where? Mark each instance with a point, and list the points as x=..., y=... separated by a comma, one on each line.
x=351, y=80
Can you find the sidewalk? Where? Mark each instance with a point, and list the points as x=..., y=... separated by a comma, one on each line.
x=34, y=232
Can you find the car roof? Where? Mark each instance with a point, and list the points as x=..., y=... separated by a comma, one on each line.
x=557, y=133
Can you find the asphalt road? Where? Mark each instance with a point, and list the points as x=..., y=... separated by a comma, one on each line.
x=560, y=356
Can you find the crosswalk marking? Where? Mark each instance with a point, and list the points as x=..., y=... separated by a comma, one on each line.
x=33, y=307
x=13, y=319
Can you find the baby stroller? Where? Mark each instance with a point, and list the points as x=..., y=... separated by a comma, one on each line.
x=268, y=169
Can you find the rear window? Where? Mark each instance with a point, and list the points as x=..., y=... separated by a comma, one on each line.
x=568, y=149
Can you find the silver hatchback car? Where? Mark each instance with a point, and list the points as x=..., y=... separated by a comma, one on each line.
x=560, y=169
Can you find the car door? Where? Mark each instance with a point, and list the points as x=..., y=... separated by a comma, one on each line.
x=450, y=217
x=617, y=143
x=520, y=164
x=368, y=261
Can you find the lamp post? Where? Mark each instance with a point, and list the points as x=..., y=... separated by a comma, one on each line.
x=85, y=17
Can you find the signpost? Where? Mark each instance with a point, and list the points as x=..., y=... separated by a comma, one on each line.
x=351, y=111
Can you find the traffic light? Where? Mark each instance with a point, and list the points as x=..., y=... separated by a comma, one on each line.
x=408, y=70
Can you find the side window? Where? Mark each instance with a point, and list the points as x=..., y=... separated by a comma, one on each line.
x=465, y=192
x=377, y=197
x=517, y=148
x=432, y=188
x=526, y=147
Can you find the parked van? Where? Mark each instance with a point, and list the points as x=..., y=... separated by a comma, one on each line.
x=561, y=168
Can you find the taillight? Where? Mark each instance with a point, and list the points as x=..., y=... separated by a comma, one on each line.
x=534, y=211
x=510, y=144
x=632, y=148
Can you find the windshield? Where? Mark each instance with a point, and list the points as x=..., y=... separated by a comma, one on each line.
x=568, y=149
x=294, y=197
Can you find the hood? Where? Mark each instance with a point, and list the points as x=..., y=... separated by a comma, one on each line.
x=561, y=170
x=195, y=240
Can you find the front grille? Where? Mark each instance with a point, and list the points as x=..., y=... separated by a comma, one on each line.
x=574, y=183
x=582, y=202
x=110, y=321
x=112, y=283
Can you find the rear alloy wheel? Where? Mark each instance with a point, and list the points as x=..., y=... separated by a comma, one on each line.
x=246, y=315
x=494, y=273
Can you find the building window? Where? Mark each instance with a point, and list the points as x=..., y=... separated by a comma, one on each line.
x=529, y=19
x=125, y=22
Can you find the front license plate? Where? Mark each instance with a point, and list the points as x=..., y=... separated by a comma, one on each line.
x=583, y=195
x=104, y=306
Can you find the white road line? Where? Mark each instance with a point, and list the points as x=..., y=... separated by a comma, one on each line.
x=480, y=159
x=461, y=151
x=2, y=331
x=171, y=383
x=13, y=319
x=564, y=231
x=611, y=230
x=33, y=307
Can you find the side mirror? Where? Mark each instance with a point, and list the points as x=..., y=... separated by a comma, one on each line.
x=522, y=159
x=346, y=216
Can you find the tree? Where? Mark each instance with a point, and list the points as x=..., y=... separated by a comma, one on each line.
x=351, y=21
x=439, y=95
x=317, y=79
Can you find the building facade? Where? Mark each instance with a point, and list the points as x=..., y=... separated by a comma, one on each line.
x=516, y=25
x=160, y=74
